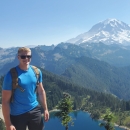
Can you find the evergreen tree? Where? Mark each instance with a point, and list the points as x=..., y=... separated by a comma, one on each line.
x=108, y=120
x=65, y=107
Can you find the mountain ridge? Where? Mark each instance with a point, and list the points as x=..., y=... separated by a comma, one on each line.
x=108, y=31
x=100, y=76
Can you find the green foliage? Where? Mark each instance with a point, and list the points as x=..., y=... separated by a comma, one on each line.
x=108, y=120
x=95, y=114
x=65, y=107
x=2, y=125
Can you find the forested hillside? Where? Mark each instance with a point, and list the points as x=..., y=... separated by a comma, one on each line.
x=56, y=85
x=100, y=76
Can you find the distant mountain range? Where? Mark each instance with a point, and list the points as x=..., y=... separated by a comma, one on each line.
x=89, y=64
x=64, y=54
x=110, y=31
x=7, y=55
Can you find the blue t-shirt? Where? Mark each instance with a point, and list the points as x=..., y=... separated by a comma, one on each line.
x=27, y=100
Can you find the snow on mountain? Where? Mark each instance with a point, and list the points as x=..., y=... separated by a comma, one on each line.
x=109, y=31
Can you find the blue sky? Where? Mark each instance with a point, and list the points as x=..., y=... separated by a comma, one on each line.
x=47, y=22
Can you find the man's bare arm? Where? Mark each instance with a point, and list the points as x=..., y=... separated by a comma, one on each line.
x=42, y=98
x=6, y=95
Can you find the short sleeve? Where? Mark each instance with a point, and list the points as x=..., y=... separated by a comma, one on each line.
x=40, y=76
x=7, y=83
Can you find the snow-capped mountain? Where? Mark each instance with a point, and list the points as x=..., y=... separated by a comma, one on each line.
x=109, y=31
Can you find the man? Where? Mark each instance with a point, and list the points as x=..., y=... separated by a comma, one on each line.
x=24, y=110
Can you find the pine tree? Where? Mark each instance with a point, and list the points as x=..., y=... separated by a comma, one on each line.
x=108, y=120
x=65, y=107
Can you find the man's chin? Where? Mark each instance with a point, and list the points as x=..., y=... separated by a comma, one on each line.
x=27, y=63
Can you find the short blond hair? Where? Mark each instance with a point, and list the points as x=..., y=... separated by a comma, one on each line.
x=24, y=49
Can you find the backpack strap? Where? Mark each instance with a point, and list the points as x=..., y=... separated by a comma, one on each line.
x=37, y=74
x=15, y=85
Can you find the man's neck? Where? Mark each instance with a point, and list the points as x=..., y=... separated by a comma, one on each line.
x=23, y=67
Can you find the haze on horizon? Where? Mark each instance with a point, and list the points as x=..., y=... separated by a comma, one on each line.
x=51, y=22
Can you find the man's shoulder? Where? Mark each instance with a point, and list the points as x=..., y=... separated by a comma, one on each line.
x=9, y=71
x=36, y=69
x=13, y=68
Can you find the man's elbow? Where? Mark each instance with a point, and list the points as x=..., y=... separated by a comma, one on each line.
x=42, y=92
x=5, y=101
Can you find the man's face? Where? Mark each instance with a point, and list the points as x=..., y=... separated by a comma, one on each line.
x=24, y=58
